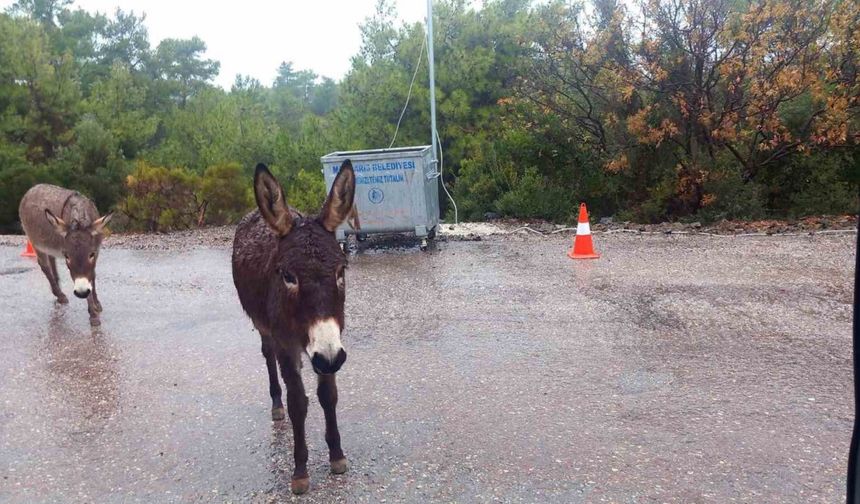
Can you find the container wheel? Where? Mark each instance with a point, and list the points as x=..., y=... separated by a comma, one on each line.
x=424, y=244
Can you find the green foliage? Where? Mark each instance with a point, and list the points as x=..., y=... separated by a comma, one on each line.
x=118, y=102
x=126, y=42
x=161, y=199
x=306, y=191
x=182, y=72
x=16, y=177
x=226, y=194
x=44, y=98
x=732, y=199
x=477, y=189
x=824, y=185
x=92, y=164
x=532, y=197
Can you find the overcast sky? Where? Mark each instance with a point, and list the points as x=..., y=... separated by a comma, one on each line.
x=252, y=37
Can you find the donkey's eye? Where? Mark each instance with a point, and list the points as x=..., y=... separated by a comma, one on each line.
x=289, y=278
x=92, y=255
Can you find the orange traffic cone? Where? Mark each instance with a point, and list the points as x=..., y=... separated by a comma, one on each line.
x=28, y=252
x=583, y=248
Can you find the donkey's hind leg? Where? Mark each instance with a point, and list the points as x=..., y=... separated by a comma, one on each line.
x=270, y=353
x=49, y=268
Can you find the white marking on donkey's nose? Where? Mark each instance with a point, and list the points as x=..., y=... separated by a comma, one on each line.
x=324, y=338
x=83, y=286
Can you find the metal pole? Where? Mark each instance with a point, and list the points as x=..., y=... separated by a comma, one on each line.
x=431, y=64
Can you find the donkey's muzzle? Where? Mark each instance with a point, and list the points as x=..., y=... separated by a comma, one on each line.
x=83, y=287
x=323, y=365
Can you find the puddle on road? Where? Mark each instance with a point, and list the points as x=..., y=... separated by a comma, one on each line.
x=83, y=367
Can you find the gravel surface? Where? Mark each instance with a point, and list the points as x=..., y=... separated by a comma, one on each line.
x=209, y=237
x=222, y=236
x=675, y=369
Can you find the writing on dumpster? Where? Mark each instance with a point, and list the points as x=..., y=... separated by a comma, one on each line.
x=379, y=172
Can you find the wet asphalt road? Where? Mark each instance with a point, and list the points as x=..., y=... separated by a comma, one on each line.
x=674, y=369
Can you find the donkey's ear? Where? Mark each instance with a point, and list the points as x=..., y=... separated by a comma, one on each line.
x=57, y=222
x=271, y=201
x=338, y=205
x=99, y=224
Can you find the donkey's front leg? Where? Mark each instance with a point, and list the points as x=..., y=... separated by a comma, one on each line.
x=93, y=306
x=297, y=408
x=327, y=394
x=96, y=303
x=94, y=312
x=49, y=268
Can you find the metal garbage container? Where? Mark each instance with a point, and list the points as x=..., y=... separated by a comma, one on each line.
x=396, y=190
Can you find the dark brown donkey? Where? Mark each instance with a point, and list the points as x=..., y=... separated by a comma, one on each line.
x=63, y=223
x=289, y=273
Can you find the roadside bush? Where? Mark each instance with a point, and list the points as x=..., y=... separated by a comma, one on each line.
x=823, y=185
x=727, y=196
x=533, y=198
x=475, y=190
x=655, y=207
x=225, y=193
x=162, y=199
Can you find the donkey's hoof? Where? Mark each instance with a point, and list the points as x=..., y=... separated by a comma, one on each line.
x=95, y=321
x=339, y=466
x=300, y=485
x=278, y=413
x=62, y=299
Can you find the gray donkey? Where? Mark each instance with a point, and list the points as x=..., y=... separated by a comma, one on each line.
x=63, y=223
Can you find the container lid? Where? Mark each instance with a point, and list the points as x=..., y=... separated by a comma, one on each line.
x=375, y=153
